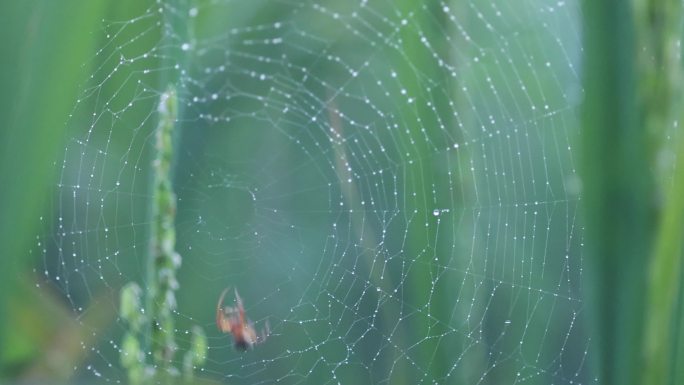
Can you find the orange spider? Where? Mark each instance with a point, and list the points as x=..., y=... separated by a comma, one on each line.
x=232, y=320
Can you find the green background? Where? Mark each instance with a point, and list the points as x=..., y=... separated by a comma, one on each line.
x=269, y=246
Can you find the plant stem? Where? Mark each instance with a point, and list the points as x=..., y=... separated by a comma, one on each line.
x=164, y=260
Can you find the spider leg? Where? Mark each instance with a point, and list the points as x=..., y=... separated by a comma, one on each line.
x=238, y=299
x=220, y=311
x=265, y=332
x=240, y=308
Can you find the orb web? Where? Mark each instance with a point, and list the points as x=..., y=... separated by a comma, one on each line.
x=391, y=186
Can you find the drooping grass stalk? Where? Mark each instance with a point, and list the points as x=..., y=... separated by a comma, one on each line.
x=153, y=328
x=156, y=336
x=164, y=260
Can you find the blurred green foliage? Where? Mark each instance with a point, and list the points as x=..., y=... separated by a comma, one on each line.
x=630, y=214
x=618, y=192
x=44, y=48
x=634, y=188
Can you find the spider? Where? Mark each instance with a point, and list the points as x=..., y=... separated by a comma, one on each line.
x=232, y=320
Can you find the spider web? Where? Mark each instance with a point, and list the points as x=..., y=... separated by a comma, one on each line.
x=390, y=185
